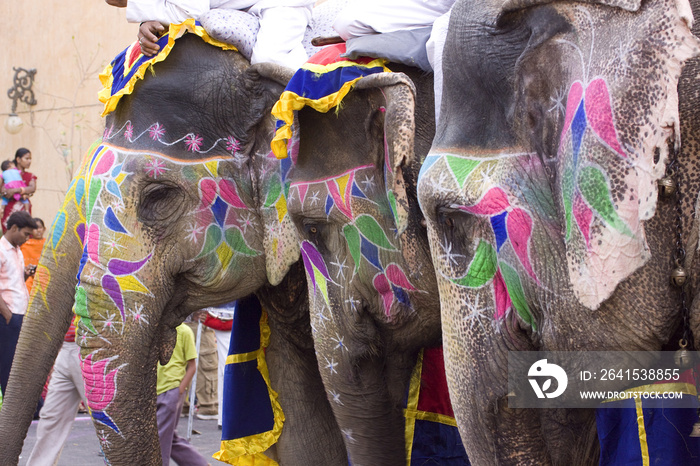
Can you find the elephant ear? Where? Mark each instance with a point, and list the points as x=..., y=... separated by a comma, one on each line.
x=399, y=133
x=515, y=5
x=612, y=144
x=280, y=239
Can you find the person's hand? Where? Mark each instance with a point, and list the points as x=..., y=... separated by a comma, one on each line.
x=199, y=316
x=6, y=315
x=148, y=35
x=117, y=3
x=29, y=270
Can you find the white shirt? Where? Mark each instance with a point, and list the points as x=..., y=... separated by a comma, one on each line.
x=12, y=287
x=176, y=11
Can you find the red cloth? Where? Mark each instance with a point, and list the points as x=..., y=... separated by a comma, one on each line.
x=70, y=334
x=218, y=324
x=16, y=206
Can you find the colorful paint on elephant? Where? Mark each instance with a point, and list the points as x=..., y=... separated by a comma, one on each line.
x=510, y=226
x=370, y=246
x=217, y=230
x=585, y=185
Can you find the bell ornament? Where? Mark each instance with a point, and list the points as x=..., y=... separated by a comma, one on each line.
x=683, y=359
x=679, y=276
x=667, y=186
x=696, y=430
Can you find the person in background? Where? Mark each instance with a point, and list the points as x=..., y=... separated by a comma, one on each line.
x=275, y=28
x=31, y=249
x=14, y=297
x=173, y=379
x=12, y=178
x=22, y=161
x=206, y=370
x=364, y=17
x=220, y=319
x=66, y=391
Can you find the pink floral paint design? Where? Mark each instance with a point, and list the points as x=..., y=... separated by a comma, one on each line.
x=100, y=387
x=129, y=132
x=156, y=131
x=508, y=223
x=193, y=142
x=233, y=145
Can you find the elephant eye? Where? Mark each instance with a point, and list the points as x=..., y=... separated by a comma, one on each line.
x=313, y=230
x=160, y=202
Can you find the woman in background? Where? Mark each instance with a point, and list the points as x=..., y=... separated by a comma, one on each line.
x=23, y=160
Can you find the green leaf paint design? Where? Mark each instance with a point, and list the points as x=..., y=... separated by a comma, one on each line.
x=461, y=168
x=95, y=189
x=211, y=241
x=234, y=238
x=371, y=230
x=80, y=308
x=273, y=193
x=567, y=186
x=482, y=267
x=595, y=190
x=392, y=203
x=516, y=293
x=352, y=236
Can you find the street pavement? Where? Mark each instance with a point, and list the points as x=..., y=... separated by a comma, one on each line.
x=82, y=447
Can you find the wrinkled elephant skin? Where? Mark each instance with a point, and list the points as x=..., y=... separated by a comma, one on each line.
x=373, y=293
x=176, y=209
x=540, y=198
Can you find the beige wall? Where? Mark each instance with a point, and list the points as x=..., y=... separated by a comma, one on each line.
x=69, y=43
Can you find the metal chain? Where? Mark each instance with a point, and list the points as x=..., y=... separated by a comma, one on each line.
x=672, y=171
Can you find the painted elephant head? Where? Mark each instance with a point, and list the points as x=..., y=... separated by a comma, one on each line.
x=372, y=291
x=180, y=206
x=540, y=193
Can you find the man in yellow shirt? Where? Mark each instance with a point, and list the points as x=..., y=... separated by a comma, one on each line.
x=173, y=379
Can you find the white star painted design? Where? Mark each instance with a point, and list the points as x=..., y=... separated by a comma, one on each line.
x=353, y=303
x=104, y=440
x=91, y=276
x=341, y=267
x=623, y=52
x=246, y=221
x=331, y=365
x=137, y=315
x=117, y=206
x=335, y=397
x=475, y=312
x=558, y=101
x=487, y=174
x=314, y=199
x=109, y=323
x=448, y=255
x=339, y=342
x=323, y=319
x=368, y=182
x=193, y=231
x=113, y=246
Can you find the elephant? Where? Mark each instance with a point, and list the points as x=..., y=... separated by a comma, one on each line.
x=372, y=291
x=540, y=198
x=177, y=208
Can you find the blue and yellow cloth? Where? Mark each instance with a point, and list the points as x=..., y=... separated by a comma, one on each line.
x=321, y=83
x=252, y=416
x=119, y=77
x=650, y=432
x=432, y=436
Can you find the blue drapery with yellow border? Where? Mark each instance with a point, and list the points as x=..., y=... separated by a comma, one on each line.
x=121, y=75
x=650, y=432
x=252, y=416
x=321, y=83
x=432, y=436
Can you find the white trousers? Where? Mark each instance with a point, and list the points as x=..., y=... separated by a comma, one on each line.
x=66, y=390
x=223, y=339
